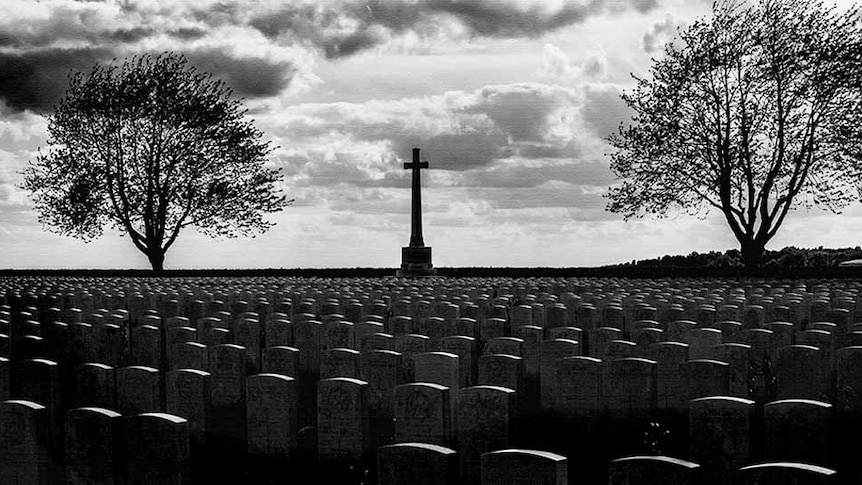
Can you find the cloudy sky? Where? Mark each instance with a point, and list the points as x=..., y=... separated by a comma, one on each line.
x=509, y=100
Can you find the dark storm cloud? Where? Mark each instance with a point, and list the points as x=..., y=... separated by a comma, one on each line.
x=36, y=80
x=457, y=152
x=482, y=18
x=521, y=111
x=249, y=77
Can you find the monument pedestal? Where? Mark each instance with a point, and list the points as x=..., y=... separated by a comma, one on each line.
x=416, y=261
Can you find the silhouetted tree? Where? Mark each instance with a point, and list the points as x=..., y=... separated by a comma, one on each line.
x=753, y=111
x=152, y=146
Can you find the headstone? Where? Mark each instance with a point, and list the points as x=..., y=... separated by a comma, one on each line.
x=271, y=414
x=523, y=467
x=156, y=448
x=504, y=345
x=422, y=414
x=670, y=358
x=531, y=348
x=600, y=339
x=416, y=464
x=138, y=390
x=502, y=370
x=785, y=473
x=381, y=370
x=146, y=346
x=5, y=379
x=720, y=436
x=485, y=420
x=306, y=338
x=577, y=388
x=227, y=420
x=408, y=346
x=340, y=362
x=24, y=456
x=189, y=355
x=337, y=334
x=188, y=396
x=552, y=351
x=738, y=359
x=707, y=378
x=95, y=386
x=247, y=334
x=342, y=425
x=93, y=444
x=465, y=348
x=81, y=343
x=798, y=430
x=281, y=360
x=653, y=470
x=802, y=373
x=376, y=341
x=278, y=332
x=701, y=341
x=629, y=392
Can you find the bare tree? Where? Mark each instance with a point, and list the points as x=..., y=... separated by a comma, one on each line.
x=757, y=110
x=152, y=146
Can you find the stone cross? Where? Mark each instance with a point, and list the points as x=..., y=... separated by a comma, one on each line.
x=416, y=258
x=416, y=205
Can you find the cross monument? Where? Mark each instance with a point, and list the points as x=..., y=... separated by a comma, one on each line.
x=416, y=258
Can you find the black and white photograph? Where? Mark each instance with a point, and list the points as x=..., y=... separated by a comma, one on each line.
x=442, y=242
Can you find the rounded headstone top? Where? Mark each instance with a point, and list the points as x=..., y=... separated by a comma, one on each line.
x=425, y=446
x=658, y=458
x=270, y=375
x=490, y=388
x=809, y=402
x=351, y=380
x=25, y=403
x=192, y=371
x=718, y=399
x=792, y=466
x=173, y=418
x=94, y=410
x=536, y=453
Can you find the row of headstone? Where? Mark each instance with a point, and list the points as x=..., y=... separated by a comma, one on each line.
x=100, y=446
x=319, y=359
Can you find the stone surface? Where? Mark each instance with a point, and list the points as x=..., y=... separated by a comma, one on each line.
x=423, y=414
x=342, y=421
x=93, y=445
x=485, y=423
x=138, y=390
x=271, y=415
x=156, y=449
x=24, y=456
x=720, y=436
x=798, y=430
x=416, y=464
x=523, y=467
x=653, y=470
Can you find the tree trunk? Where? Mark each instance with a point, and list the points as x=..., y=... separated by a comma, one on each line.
x=752, y=252
x=157, y=259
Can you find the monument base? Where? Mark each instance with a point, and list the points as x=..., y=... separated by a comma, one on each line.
x=416, y=261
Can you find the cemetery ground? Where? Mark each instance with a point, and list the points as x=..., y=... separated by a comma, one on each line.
x=443, y=380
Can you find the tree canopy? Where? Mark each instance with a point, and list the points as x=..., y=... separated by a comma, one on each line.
x=151, y=146
x=753, y=111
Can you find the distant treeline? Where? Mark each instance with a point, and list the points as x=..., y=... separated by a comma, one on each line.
x=788, y=257
x=789, y=263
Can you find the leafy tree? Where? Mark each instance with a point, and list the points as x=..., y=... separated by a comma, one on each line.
x=152, y=146
x=757, y=110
